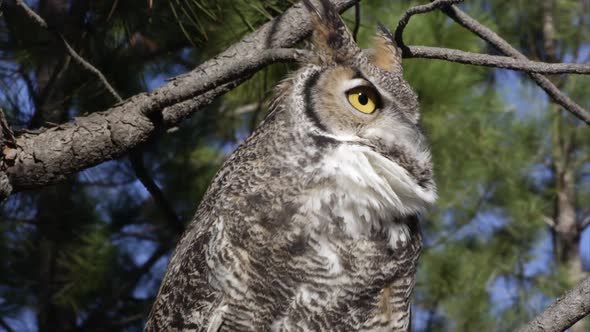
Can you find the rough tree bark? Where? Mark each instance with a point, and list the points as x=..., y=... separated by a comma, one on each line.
x=8, y=144
x=52, y=99
x=51, y=155
x=564, y=312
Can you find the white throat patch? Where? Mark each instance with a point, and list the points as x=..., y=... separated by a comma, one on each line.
x=367, y=175
x=368, y=192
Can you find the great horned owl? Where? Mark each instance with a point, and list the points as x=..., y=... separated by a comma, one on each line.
x=311, y=224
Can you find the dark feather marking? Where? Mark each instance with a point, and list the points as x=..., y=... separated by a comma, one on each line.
x=334, y=40
x=324, y=141
x=309, y=104
x=386, y=32
x=311, y=8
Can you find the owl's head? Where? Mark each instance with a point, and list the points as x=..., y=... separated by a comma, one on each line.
x=349, y=96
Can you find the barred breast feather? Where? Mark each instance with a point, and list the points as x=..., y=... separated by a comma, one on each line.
x=312, y=223
x=323, y=247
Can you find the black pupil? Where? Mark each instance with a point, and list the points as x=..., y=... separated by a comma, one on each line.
x=363, y=98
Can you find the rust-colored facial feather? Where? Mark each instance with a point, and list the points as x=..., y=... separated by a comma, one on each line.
x=331, y=99
x=385, y=53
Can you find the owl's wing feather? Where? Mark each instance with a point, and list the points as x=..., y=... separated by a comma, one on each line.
x=210, y=260
x=186, y=298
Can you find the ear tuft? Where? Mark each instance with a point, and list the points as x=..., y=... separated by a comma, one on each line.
x=386, y=54
x=311, y=8
x=332, y=40
x=383, y=30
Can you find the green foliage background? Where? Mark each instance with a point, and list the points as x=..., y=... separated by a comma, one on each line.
x=88, y=254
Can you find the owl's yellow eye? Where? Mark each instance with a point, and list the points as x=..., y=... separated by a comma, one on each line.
x=363, y=98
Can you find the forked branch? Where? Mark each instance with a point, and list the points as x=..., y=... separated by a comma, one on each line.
x=405, y=19
x=98, y=137
x=519, y=61
x=89, y=140
x=135, y=156
x=503, y=46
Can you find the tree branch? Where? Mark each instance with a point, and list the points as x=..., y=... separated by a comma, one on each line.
x=79, y=60
x=135, y=157
x=495, y=61
x=493, y=39
x=564, y=312
x=357, y=19
x=53, y=154
x=504, y=47
x=31, y=13
x=549, y=221
x=405, y=19
x=7, y=155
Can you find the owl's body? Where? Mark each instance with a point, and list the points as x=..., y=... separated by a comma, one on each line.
x=311, y=224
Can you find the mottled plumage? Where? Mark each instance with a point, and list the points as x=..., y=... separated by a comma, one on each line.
x=311, y=224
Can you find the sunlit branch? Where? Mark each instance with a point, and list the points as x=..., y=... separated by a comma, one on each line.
x=405, y=19
x=533, y=69
x=487, y=60
x=564, y=312
x=503, y=46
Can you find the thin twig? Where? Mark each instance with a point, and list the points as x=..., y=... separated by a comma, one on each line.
x=405, y=19
x=123, y=127
x=495, y=61
x=493, y=39
x=113, y=7
x=31, y=13
x=357, y=19
x=129, y=320
x=564, y=312
x=85, y=64
x=142, y=174
x=91, y=69
x=136, y=157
